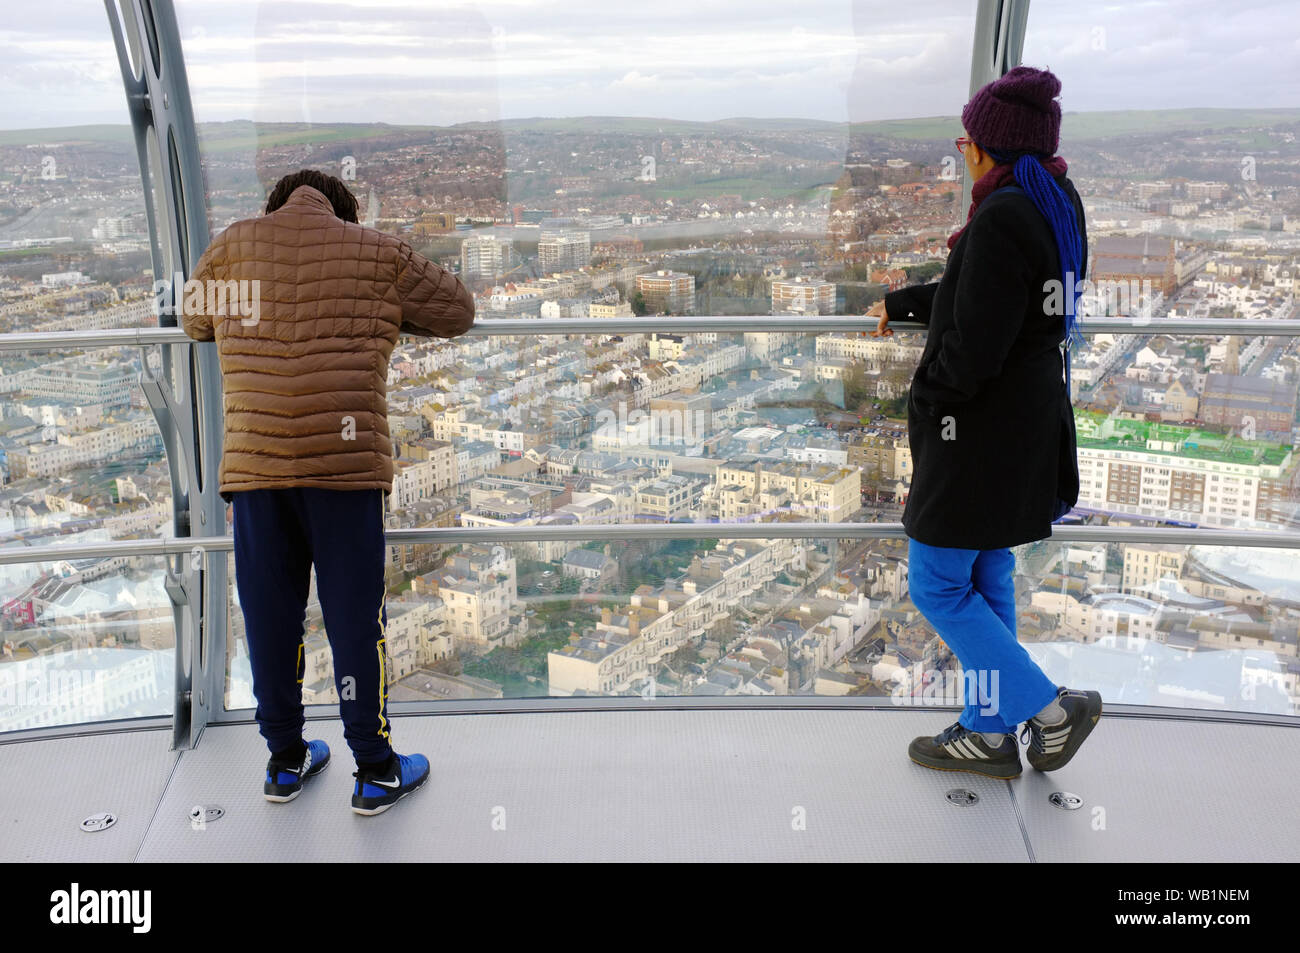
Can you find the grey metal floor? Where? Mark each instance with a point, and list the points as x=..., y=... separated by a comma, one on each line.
x=666, y=785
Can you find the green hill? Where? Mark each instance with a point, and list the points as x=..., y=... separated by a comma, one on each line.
x=118, y=134
x=1076, y=126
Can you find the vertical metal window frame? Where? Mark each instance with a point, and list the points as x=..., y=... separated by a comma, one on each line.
x=999, y=40
x=186, y=396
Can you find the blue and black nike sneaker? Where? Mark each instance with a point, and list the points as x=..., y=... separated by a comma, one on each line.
x=284, y=781
x=377, y=791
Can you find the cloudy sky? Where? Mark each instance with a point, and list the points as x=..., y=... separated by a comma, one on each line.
x=434, y=62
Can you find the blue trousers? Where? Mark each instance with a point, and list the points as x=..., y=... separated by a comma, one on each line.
x=968, y=596
x=279, y=534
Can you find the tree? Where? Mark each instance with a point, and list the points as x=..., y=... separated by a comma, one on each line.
x=923, y=272
x=856, y=392
x=857, y=298
x=638, y=304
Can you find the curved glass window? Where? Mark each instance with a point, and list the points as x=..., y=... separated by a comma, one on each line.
x=81, y=456
x=640, y=163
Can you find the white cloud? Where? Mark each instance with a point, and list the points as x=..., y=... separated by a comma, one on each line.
x=358, y=60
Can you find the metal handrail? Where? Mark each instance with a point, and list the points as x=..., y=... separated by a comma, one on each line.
x=685, y=325
x=1073, y=533
x=680, y=324
x=692, y=324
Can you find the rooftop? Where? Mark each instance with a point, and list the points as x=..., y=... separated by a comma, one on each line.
x=1100, y=430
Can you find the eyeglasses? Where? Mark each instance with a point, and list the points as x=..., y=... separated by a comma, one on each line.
x=962, y=143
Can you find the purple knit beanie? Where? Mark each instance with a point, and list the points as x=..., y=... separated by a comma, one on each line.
x=1017, y=113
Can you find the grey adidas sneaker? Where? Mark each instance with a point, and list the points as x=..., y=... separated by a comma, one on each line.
x=957, y=748
x=1052, y=746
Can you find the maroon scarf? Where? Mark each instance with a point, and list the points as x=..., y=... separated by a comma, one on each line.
x=996, y=177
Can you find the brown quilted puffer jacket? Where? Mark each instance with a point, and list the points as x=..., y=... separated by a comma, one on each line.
x=305, y=384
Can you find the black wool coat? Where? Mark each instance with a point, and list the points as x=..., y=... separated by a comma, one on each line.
x=989, y=417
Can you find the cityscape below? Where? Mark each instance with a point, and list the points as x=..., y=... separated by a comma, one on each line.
x=1191, y=213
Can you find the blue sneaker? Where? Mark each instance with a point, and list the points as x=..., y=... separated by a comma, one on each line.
x=376, y=792
x=284, y=781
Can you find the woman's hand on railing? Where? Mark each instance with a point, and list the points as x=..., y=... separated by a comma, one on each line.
x=877, y=310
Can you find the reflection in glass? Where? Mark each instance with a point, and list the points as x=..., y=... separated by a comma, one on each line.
x=84, y=640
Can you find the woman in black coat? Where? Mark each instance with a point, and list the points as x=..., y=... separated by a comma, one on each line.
x=991, y=428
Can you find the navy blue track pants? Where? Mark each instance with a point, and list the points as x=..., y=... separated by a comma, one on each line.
x=279, y=534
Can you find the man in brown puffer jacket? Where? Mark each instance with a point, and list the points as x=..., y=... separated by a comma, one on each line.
x=305, y=306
